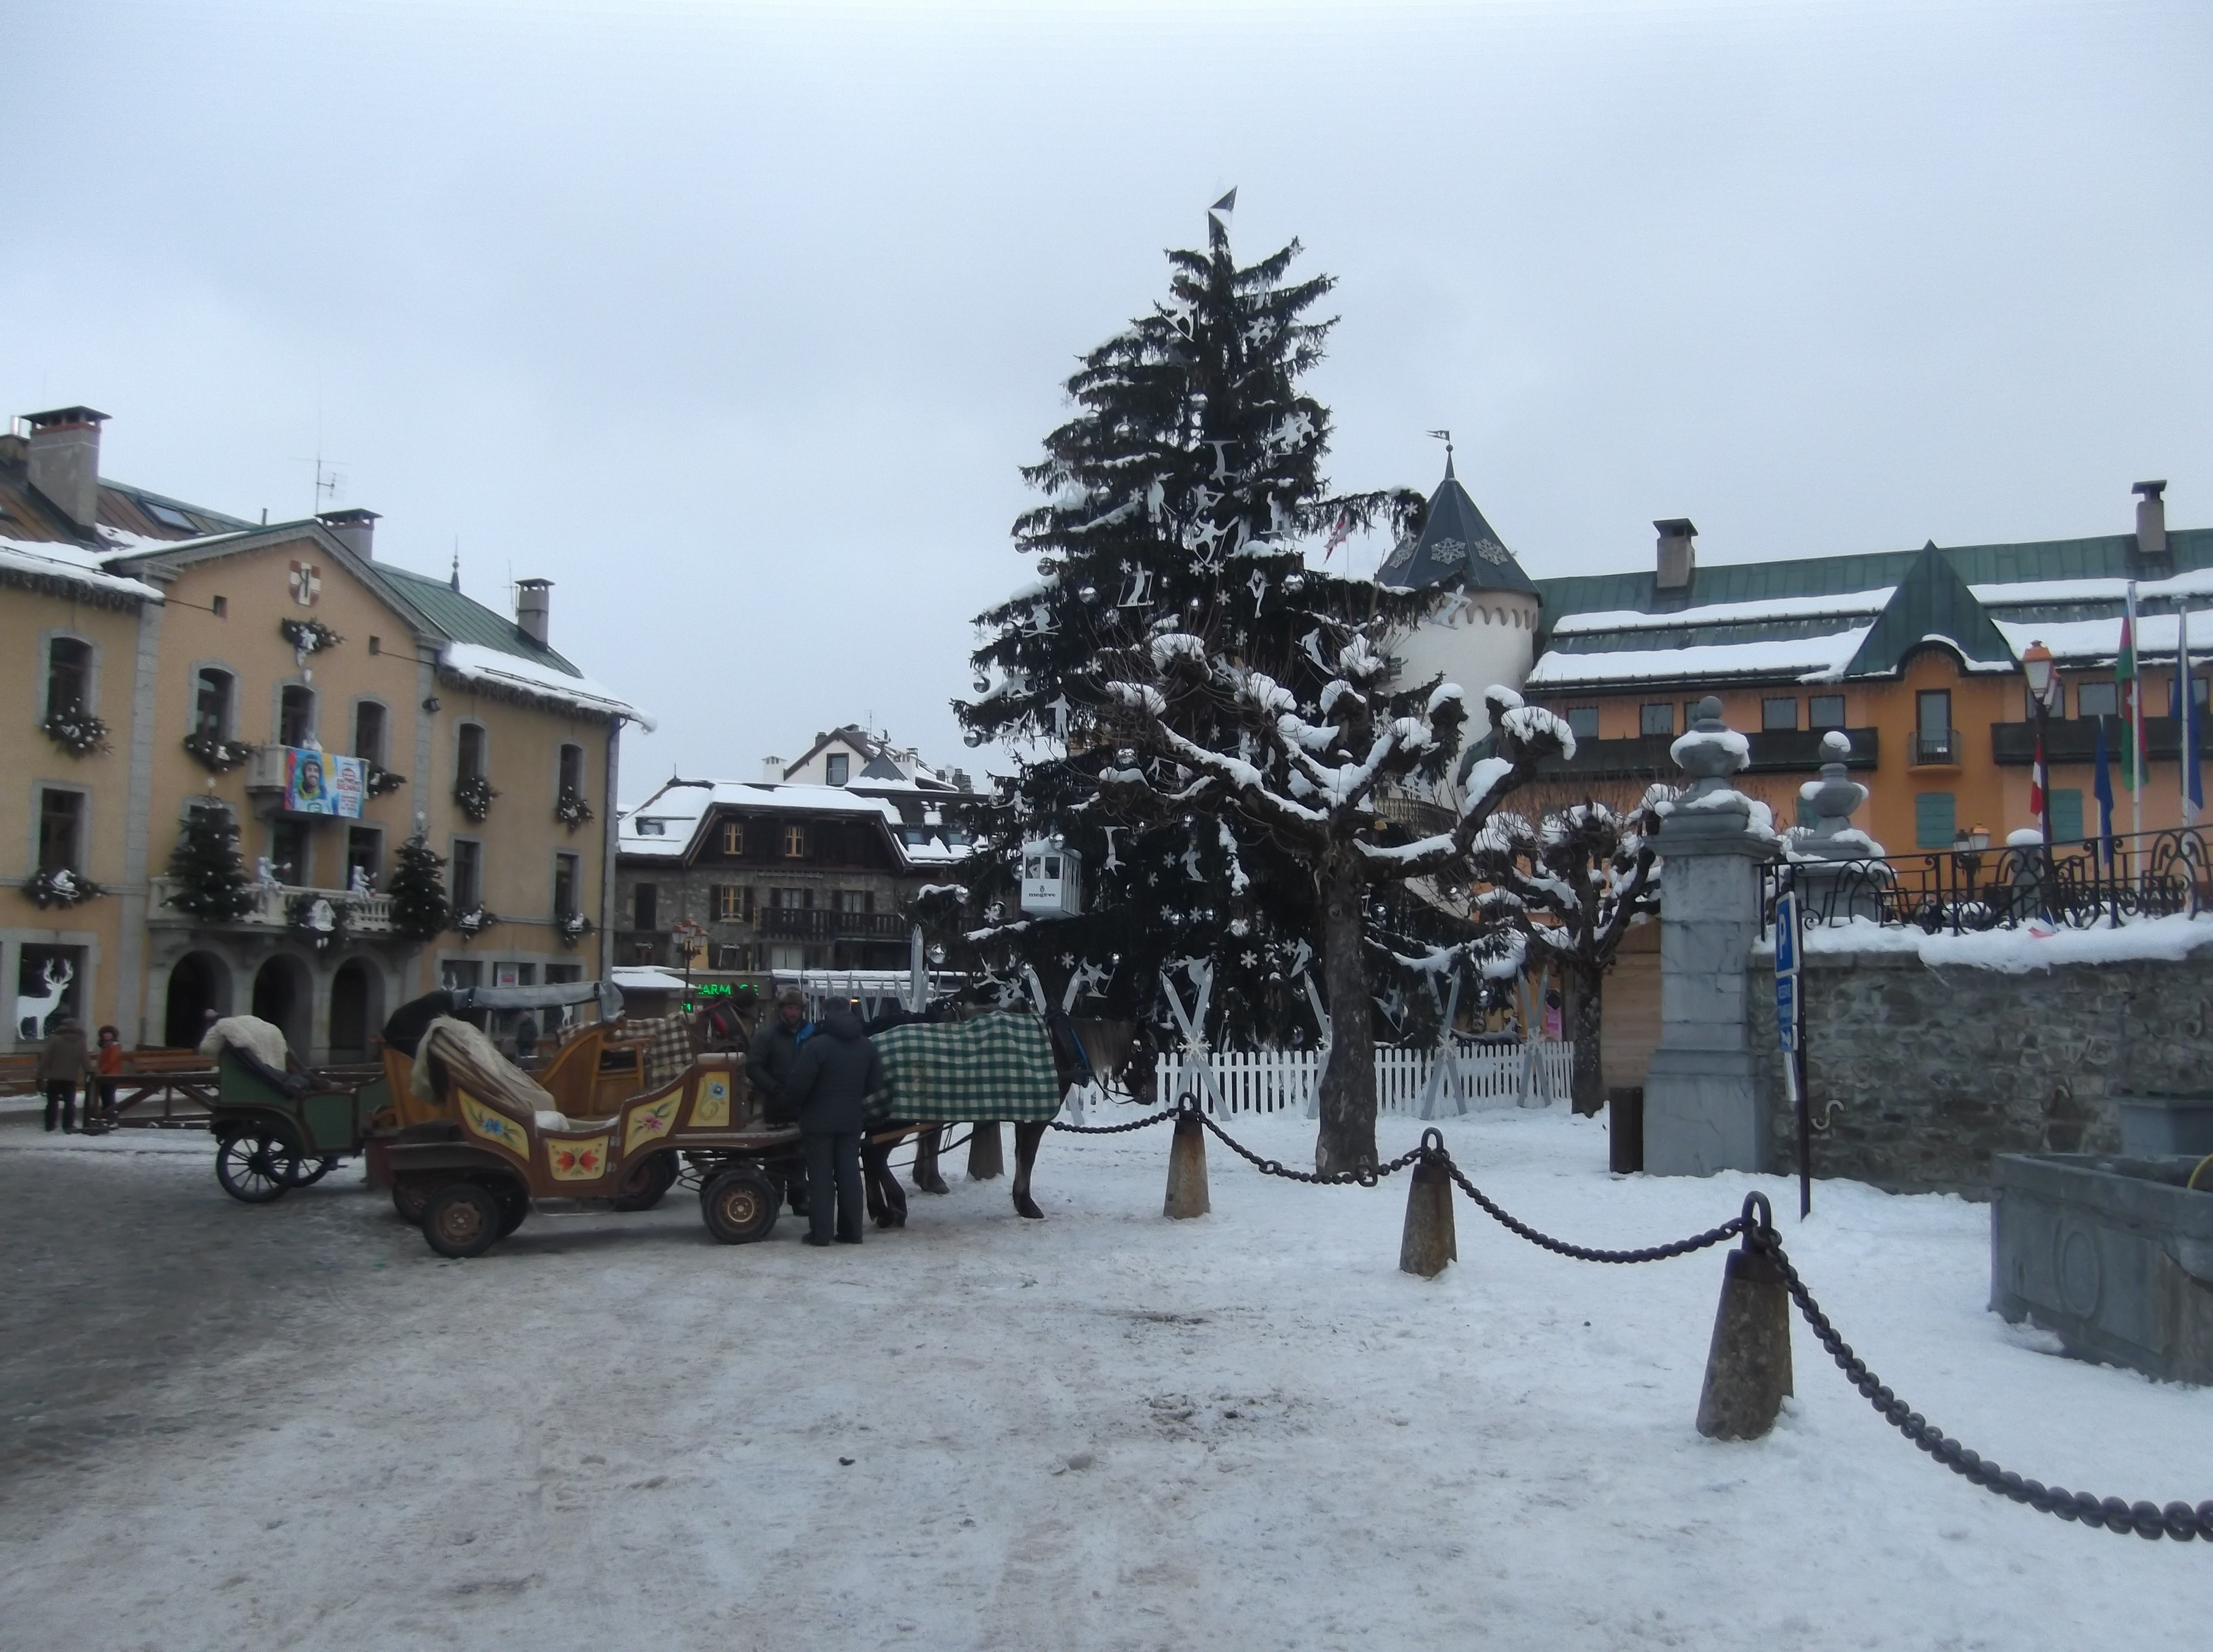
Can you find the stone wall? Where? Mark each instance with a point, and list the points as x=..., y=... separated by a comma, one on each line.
x=1922, y=1073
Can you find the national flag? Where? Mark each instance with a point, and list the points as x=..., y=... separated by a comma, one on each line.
x=2102, y=789
x=2193, y=787
x=1338, y=534
x=2125, y=679
x=2039, y=786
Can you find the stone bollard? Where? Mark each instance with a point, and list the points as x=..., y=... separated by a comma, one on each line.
x=986, y=1158
x=1428, y=1242
x=1748, y=1363
x=1186, y=1195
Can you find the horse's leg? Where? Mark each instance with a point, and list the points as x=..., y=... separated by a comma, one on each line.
x=887, y=1199
x=1027, y=1137
x=926, y=1176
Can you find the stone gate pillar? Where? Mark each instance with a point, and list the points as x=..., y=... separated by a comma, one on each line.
x=1702, y=1110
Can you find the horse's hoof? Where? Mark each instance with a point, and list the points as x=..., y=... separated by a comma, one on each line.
x=1026, y=1206
x=892, y=1219
x=935, y=1185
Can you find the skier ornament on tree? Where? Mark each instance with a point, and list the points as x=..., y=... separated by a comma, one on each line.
x=1226, y=709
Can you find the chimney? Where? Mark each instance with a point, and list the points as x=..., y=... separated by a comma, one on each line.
x=2151, y=520
x=772, y=770
x=64, y=461
x=1679, y=559
x=534, y=608
x=353, y=529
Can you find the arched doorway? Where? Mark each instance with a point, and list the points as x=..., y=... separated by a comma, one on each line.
x=356, y=1009
x=284, y=996
x=199, y=983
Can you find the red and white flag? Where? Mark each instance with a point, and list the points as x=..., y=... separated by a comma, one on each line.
x=1338, y=535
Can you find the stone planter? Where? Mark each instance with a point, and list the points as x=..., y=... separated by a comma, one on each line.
x=2112, y=1254
x=2154, y=1124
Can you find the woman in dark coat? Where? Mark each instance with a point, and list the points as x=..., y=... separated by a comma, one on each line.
x=837, y=1071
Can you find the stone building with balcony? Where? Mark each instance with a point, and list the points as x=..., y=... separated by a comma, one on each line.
x=174, y=659
x=739, y=880
x=1914, y=655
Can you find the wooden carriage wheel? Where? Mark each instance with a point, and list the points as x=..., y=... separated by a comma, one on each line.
x=255, y=1164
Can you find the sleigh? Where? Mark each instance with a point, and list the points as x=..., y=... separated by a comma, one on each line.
x=502, y=1143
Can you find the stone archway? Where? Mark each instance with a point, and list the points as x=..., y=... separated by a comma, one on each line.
x=356, y=1009
x=200, y=982
x=284, y=996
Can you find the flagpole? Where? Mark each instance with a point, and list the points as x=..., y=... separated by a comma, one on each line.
x=2186, y=708
x=2136, y=745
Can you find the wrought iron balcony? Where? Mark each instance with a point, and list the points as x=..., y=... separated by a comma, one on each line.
x=2074, y=739
x=1933, y=748
x=821, y=924
x=1645, y=757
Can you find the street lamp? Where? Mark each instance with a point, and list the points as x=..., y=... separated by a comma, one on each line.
x=689, y=932
x=2044, y=692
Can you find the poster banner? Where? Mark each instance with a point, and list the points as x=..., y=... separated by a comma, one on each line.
x=318, y=784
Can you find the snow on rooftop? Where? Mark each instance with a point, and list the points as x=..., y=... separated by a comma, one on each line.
x=57, y=560
x=678, y=806
x=644, y=978
x=2198, y=582
x=1726, y=613
x=1808, y=659
x=2084, y=641
x=492, y=666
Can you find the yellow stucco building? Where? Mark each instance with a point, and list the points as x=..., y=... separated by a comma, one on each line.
x=166, y=658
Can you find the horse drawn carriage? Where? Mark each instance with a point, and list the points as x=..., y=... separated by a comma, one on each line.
x=494, y=1142
x=278, y=1126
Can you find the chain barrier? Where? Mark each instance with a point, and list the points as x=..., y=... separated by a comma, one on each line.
x=1513, y=1224
x=2178, y=1521
x=1151, y=1119
x=2148, y=1520
x=1365, y=1175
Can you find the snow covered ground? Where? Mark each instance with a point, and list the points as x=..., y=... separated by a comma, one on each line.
x=1101, y=1431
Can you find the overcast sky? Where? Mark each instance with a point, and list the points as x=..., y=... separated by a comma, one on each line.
x=736, y=321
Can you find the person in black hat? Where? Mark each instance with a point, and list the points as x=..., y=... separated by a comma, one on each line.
x=838, y=1071
x=769, y=1062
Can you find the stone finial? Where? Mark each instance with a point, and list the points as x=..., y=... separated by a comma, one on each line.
x=1833, y=799
x=1710, y=754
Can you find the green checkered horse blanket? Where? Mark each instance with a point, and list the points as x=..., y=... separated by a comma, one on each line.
x=996, y=1067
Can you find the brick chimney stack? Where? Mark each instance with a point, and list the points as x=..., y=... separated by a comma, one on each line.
x=533, y=609
x=353, y=529
x=64, y=462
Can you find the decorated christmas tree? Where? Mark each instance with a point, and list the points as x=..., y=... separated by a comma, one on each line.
x=1193, y=688
x=418, y=888
x=1177, y=502
x=208, y=870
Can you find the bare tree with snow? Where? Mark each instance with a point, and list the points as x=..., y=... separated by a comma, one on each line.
x=1572, y=885
x=1305, y=773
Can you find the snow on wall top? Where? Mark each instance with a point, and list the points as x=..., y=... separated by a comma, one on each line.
x=477, y=663
x=56, y=560
x=1727, y=614
x=1808, y=659
x=2016, y=952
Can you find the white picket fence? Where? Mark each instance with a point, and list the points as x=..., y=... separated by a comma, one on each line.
x=1273, y=1081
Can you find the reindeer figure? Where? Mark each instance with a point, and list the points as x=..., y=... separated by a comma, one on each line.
x=34, y=1009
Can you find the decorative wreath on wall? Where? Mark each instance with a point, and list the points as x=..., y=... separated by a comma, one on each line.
x=75, y=730
x=216, y=756
x=382, y=780
x=321, y=920
x=309, y=636
x=474, y=795
x=61, y=887
x=473, y=922
x=573, y=927
x=571, y=809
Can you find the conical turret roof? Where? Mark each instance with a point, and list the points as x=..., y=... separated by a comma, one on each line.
x=1456, y=548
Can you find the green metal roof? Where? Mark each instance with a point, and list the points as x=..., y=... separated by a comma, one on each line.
x=466, y=620
x=1932, y=601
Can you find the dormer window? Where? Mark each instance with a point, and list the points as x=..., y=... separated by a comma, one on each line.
x=653, y=828
x=836, y=767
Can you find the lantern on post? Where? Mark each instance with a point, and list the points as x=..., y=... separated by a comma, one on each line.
x=1052, y=878
x=2044, y=699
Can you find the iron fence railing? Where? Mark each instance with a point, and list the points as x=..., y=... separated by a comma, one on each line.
x=1962, y=891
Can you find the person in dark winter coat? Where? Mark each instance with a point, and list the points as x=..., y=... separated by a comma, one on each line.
x=62, y=1065
x=837, y=1071
x=769, y=1061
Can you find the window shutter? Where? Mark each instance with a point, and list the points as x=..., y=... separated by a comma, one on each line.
x=2066, y=815
x=1935, y=819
